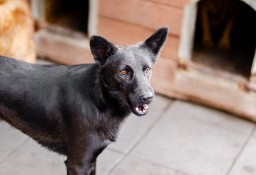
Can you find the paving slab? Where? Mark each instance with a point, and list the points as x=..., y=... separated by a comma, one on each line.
x=133, y=165
x=219, y=119
x=184, y=143
x=10, y=140
x=246, y=163
x=134, y=128
x=31, y=159
x=43, y=61
x=107, y=160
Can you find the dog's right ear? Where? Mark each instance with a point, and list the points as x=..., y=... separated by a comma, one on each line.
x=101, y=49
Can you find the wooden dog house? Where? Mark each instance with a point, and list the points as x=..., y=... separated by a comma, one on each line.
x=186, y=70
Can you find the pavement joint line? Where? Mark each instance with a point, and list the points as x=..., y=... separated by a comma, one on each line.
x=208, y=123
x=163, y=166
x=14, y=150
x=170, y=103
x=116, y=151
x=151, y=126
x=241, y=151
x=143, y=136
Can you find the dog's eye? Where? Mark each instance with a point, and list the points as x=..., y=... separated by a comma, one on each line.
x=147, y=70
x=124, y=72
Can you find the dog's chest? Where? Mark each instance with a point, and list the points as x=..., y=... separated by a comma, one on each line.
x=108, y=128
x=108, y=132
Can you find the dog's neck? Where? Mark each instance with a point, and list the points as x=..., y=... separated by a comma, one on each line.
x=112, y=100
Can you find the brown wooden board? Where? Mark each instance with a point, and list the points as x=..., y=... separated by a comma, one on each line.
x=63, y=49
x=143, y=13
x=190, y=84
x=173, y=3
x=122, y=33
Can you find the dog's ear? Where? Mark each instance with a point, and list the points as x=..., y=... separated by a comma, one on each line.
x=155, y=42
x=101, y=49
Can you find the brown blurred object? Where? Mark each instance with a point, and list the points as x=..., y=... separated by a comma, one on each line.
x=216, y=13
x=16, y=30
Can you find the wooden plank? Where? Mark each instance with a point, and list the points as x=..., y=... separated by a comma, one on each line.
x=62, y=49
x=163, y=74
x=252, y=83
x=143, y=13
x=125, y=33
x=214, y=92
x=174, y=3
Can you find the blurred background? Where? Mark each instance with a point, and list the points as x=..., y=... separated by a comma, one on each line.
x=208, y=60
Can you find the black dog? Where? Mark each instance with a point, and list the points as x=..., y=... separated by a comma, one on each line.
x=76, y=110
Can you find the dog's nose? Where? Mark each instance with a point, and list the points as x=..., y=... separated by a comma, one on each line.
x=146, y=98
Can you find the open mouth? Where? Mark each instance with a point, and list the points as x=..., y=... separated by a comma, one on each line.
x=141, y=109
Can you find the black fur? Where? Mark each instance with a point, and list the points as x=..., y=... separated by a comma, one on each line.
x=76, y=110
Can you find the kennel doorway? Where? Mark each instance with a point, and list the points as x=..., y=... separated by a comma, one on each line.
x=211, y=75
x=236, y=61
x=64, y=29
x=68, y=14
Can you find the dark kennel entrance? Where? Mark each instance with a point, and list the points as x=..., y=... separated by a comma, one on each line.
x=225, y=36
x=64, y=29
x=70, y=14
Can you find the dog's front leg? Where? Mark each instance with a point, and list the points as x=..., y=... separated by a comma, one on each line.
x=89, y=169
x=85, y=167
x=82, y=154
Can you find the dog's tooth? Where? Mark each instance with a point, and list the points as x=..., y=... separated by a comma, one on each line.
x=145, y=106
x=137, y=108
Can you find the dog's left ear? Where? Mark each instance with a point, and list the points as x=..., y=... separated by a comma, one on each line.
x=101, y=49
x=155, y=42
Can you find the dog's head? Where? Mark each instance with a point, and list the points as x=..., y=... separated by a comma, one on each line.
x=126, y=70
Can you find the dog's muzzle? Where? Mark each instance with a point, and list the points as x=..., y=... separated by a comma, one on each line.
x=143, y=106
